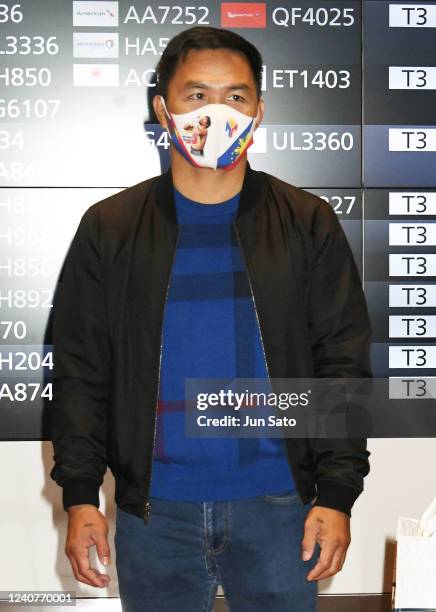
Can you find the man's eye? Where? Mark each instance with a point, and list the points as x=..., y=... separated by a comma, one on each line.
x=240, y=97
x=197, y=94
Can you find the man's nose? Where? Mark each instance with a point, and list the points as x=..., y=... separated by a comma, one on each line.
x=217, y=97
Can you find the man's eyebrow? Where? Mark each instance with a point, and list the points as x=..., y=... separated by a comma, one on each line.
x=199, y=85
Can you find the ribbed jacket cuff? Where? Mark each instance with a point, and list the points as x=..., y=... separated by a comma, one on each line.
x=83, y=491
x=336, y=495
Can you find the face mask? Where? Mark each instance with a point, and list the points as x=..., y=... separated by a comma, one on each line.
x=212, y=136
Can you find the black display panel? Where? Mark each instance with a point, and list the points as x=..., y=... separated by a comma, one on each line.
x=349, y=89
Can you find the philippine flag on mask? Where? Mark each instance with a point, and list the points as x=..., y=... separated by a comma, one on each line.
x=230, y=157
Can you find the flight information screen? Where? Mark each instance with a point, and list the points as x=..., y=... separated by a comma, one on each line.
x=350, y=115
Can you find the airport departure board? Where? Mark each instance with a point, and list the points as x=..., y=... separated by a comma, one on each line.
x=350, y=97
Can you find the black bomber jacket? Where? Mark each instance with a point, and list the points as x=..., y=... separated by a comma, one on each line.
x=107, y=333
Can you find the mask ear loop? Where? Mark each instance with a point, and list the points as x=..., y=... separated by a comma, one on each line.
x=167, y=113
x=164, y=105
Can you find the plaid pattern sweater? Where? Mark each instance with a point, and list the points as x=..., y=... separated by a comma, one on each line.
x=210, y=330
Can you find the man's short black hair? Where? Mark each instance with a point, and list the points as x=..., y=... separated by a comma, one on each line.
x=205, y=37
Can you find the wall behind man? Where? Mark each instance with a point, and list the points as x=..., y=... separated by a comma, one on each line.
x=33, y=522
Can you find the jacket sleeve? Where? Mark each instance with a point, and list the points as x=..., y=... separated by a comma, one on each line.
x=78, y=411
x=340, y=331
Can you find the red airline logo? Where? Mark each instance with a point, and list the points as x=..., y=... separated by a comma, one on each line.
x=243, y=15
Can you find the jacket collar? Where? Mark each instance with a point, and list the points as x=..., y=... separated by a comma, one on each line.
x=253, y=190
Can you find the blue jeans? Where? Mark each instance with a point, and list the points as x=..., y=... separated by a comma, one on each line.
x=252, y=547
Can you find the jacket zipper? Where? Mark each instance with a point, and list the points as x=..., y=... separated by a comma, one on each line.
x=147, y=506
x=260, y=330
x=252, y=297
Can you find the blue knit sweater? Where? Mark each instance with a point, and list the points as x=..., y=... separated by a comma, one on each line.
x=210, y=330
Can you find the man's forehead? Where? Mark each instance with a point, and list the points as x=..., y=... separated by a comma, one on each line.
x=199, y=67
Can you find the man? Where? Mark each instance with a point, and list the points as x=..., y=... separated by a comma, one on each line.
x=210, y=270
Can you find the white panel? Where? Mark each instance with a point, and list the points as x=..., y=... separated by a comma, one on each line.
x=397, y=484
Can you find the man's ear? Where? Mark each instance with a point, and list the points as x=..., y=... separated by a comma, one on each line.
x=159, y=111
x=260, y=112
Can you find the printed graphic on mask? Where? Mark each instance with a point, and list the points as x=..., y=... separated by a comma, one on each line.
x=195, y=134
x=213, y=136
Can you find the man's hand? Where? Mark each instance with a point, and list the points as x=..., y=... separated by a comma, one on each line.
x=331, y=529
x=87, y=526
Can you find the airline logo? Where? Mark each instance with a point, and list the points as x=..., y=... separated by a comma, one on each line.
x=243, y=15
x=96, y=75
x=95, y=44
x=94, y=14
